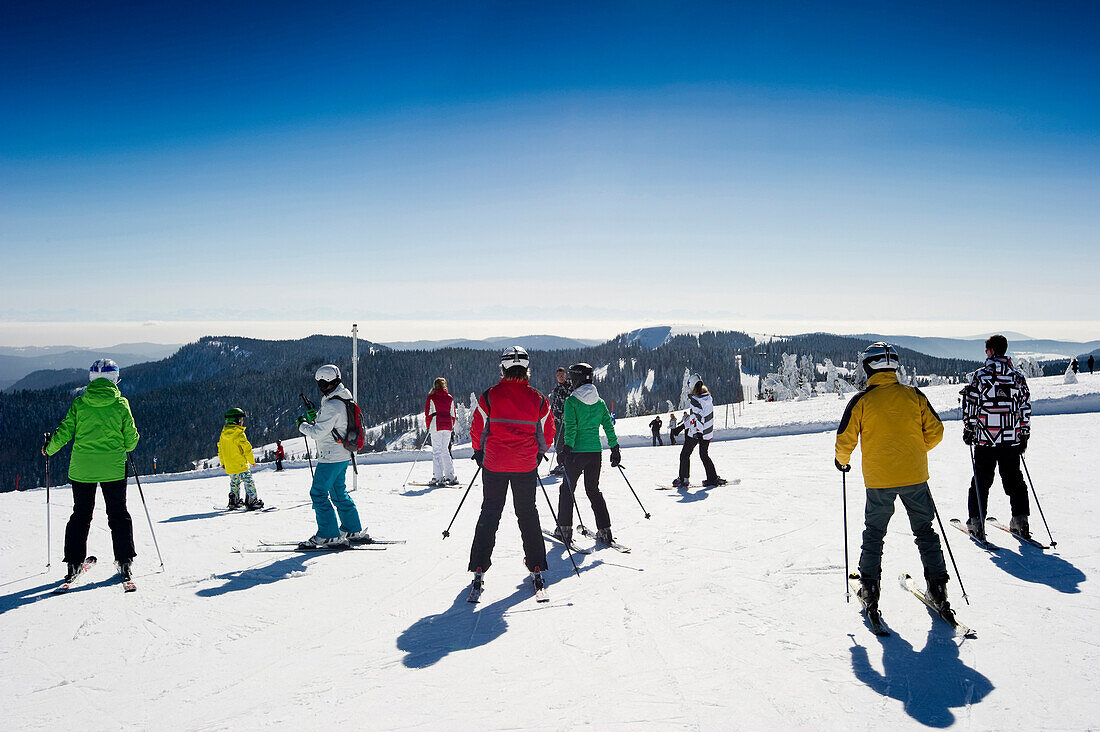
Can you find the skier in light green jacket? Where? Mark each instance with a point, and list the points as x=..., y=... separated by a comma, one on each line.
x=582, y=451
x=102, y=429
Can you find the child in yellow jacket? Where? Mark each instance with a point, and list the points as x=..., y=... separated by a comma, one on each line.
x=235, y=454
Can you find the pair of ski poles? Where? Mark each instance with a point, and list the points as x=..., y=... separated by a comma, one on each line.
x=130, y=460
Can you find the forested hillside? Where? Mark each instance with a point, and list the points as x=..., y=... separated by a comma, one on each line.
x=178, y=402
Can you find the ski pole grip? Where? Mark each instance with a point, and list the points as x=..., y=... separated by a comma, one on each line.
x=46, y=439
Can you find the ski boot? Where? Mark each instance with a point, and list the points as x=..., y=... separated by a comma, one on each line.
x=564, y=534
x=716, y=482
x=605, y=536
x=321, y=542
x=234, y=500
x=538, y=581
x=435, y=482
x=1019, y=527
x=356, y=537
x=681, y=483
x=125, y=570
x=976, y=528
x=452, y=481
x=253, y=503
x=868, y=593
x=937, y=595
x=72, y=571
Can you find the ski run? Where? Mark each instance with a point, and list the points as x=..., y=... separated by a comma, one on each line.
x=729, y=613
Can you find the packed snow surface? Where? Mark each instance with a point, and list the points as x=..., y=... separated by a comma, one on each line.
x=730, y=612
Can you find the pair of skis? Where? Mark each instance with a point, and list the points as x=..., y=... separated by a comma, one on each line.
x=242, y=509
x=126, y=584
x=990, y=546
x=662, y=487
x=874, y=616
x=583, y=531
x=293, y=546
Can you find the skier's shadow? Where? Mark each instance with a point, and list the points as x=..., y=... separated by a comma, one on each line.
x=1033, y=564
x=34, y=594
x=193, y=516
x=687, y=496
x=246, y=579
x=929, y=683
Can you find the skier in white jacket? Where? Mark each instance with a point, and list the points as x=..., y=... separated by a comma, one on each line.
x=700, y=429
x=329, y=488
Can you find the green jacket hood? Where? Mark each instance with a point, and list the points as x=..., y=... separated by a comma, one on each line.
x=586, y=393
x=101, y=393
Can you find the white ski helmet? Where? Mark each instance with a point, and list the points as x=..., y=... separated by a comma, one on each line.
x=327, y=377
x=514, y=356
x=880, y=356
x=693, y=380
x=104, y=368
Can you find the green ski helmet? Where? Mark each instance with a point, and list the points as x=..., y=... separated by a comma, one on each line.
x=234, y=415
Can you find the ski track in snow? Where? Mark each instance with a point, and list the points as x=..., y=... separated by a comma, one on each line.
x=729, y=613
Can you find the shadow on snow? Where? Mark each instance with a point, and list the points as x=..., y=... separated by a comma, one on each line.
x=929, y=683
x=246, y=579
x=34, y=594
x=1033, y=564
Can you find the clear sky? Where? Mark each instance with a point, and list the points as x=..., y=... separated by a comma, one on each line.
x=547, y=162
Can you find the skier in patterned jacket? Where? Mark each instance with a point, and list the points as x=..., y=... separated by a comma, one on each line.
x=558, y=395
x=997, y=424
x=235, y=454
x=699, y=431
x=102, y=429
x=511, y=431
x=582, y=452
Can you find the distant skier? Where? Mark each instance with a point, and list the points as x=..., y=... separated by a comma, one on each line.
x=1075, y=366
x=997, y=422
x=673, y=428
x=280, y=455
x=582, y=451
x=439, y=416
x=1092, y=360
x=102, y=429
x=557, y=397
x=511, y=432
x=898, y=426
x=235, y=454
x=699, y=431
x=655, y=427
x=329, y=487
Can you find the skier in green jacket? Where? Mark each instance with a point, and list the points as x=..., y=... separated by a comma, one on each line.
x=102, y=429
x=582, y=452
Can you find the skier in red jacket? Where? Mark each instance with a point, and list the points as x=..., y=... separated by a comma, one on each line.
x=439, y=417
x=511, y=431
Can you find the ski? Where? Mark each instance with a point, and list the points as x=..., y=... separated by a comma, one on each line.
x=572, y=547
x=663, y=487
x=476, y=588
x=437, y=485
x=84, y=567
x=354, y=542
x=242, y=509
x=541, y=595
x=613, y=544
x=128, y=585
x=983, y=543
x=874, y=618
x=301, y=550
x=1025, y=539
x=948, y=616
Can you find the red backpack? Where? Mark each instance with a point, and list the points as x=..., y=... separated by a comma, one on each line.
x=353, y=439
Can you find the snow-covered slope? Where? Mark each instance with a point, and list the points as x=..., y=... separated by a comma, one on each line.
x=730, y=613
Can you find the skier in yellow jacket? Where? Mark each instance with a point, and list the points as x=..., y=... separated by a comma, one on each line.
x=235, y=454
x=898, y=427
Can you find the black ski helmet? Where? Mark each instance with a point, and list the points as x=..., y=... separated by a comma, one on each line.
x=880, y=356
x=580, y=373
x=234, y=415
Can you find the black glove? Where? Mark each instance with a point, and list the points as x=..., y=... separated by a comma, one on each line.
x=840, y=467
x=616, y=457
x=968, y=435
x=1024, y=437
x=479, y=458
x=564, y=451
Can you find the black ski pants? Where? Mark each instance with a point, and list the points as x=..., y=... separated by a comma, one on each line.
x=118, y=518
x=494, y=494
x=587, y=464
x=1005, y=459
x=918, y=504
x=685, y=458
x=672, y=435
x=657, y=438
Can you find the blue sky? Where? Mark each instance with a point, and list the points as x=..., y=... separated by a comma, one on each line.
x=550, y=161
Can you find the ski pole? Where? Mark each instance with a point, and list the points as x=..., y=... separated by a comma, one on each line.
x=447, y=531
x=415, y=458
x=639, y=500
x=948, y=545
x=977, y=489
x=1037, y=505
x=576, y=506
x=46, y=441
x=844, y=498
x=146, y=507
x=309, y=405
x=560, y=532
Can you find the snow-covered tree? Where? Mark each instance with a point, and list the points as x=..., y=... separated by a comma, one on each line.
x=1071, y=377
x=1029, y=367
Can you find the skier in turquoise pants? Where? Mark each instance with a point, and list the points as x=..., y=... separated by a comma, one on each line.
x=328, y=488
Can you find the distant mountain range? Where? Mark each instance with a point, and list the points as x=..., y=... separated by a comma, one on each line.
x=974, y=348
x=530, y=342
x=16, y=363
